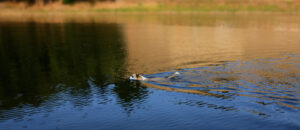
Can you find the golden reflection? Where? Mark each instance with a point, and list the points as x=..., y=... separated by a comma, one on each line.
x=187, y=91
x=160, y=47
x=287, y=105
x=153, y=48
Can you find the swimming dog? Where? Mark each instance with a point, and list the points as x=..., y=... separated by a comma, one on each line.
x=140, y=77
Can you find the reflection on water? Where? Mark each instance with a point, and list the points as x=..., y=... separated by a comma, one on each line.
x=273, y=81
x=70, y=72
x=164, y=47
x=39, y=60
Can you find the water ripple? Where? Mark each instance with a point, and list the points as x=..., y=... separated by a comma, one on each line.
x=275, y=80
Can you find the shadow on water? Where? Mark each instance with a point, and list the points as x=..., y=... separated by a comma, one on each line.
x=42, y=62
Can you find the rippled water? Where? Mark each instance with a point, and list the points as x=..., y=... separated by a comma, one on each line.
x=263, y=81
x=237, y=71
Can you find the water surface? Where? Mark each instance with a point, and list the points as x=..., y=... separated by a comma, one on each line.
x=238, y=71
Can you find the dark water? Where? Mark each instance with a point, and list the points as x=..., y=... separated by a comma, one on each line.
x=70, y=72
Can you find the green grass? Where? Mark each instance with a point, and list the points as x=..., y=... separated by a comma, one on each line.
x=180, y=8
x=202, y=8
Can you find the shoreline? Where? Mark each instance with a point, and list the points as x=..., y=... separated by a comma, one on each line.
x=81, y=8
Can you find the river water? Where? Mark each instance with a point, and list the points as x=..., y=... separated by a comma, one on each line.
x=237, y=71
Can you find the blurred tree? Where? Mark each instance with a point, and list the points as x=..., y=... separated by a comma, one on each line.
x=42, y=2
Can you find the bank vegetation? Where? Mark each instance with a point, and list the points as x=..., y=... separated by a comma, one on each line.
x=62, y=6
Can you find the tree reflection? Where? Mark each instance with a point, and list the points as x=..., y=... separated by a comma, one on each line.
x=130, y=94
x=40, y=61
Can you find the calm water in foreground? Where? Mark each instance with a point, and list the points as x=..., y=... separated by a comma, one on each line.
x=70, y=72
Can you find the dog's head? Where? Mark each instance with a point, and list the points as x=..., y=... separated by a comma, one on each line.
x=137, y=77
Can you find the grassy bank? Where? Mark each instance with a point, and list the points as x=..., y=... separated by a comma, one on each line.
x=204, y=8
x=10, y=8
